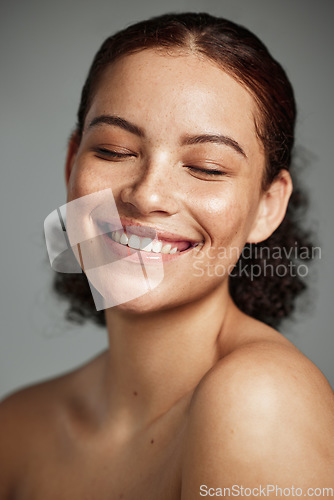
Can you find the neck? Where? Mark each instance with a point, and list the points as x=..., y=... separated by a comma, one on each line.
x=157, y=359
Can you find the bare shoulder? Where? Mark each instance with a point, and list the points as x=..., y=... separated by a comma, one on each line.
x=44, y=403
x=25, y=420
x=274, y=376
x=271, y=363
x=263, y=404
x=33, y=423
x=262, y=359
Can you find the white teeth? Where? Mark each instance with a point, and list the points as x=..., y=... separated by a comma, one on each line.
x=117, y=236
x=146, y=244
x=134, y=242
x=156, y=246
x=124, y=239
x=166, y=248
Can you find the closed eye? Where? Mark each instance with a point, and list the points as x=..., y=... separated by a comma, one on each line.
x=107, y=153
x=204, y=171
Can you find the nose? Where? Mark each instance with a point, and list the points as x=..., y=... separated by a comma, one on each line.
x=152, y=191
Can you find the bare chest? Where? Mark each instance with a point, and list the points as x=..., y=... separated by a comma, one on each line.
x=147, y=468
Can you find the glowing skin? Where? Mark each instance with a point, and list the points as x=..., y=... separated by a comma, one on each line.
x=191, y=390
x=172, y=98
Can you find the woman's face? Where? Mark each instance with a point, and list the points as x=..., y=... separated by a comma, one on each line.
x=174, y=137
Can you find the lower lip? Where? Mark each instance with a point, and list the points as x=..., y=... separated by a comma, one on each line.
x=137, y=256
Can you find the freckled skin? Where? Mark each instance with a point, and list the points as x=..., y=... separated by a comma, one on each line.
x=155, y=187
x=208, y=378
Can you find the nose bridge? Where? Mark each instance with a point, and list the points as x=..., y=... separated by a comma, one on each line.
x=157, y=169
x=155, y=188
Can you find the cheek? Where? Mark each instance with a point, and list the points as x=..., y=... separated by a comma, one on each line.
x=83, y=180
x=228, y=217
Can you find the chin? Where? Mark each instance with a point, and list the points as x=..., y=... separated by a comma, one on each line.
x=123, y=284
x=150, y=302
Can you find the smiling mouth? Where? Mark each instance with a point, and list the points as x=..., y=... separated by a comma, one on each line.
x=143, y=243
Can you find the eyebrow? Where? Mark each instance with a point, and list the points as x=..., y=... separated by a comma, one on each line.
x=215, y=139
x=117, y=121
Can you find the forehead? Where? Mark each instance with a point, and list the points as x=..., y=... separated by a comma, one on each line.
x=174, y=90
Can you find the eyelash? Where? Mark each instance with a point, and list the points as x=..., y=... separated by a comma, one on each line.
x=114, y=154
x=206, y=172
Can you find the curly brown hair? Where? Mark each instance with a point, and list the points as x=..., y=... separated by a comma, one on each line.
x=244, y=57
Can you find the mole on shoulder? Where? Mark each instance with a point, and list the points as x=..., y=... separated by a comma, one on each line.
x=135, y=393
x=152, y=441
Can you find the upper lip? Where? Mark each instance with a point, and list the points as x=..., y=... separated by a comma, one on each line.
x=147, y=231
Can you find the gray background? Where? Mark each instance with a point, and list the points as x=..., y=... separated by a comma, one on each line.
x=46, y=49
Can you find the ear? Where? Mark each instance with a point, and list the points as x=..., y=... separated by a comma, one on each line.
x=272, y=208
x=72, y=149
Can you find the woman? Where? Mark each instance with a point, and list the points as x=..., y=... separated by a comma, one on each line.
x=189, y=122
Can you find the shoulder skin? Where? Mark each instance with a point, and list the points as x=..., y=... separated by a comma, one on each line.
x=29, y=426
x=36, y=421
x=264, y=415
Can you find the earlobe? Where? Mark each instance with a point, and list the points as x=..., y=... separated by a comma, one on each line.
x=272, y=208
x=72, y=149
